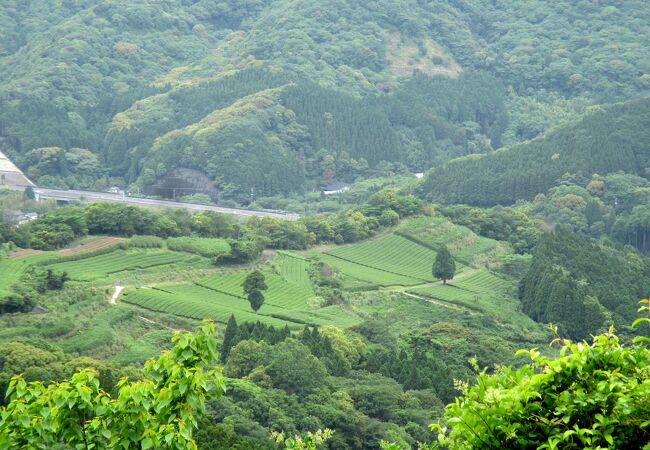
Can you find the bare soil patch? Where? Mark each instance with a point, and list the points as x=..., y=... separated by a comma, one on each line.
x=24, y=252
x=89, y=245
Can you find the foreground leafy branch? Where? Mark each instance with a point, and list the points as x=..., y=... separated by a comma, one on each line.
x=159, y=411
x=593, y=396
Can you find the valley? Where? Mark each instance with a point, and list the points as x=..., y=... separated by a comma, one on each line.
x=324, y=224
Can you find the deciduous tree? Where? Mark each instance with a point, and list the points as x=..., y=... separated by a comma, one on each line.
x=444, y=266
x=253, y=286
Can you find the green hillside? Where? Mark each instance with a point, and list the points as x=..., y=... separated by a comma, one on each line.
x=107, y=91
x=571, y=283
x=359, y=330
x=605, y=140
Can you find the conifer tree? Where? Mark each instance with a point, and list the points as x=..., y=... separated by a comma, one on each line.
x=444, y=266
x=229, y=337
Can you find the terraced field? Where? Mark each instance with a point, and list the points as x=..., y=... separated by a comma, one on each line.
x=392, y=254
x=12, y=269
x=293, y=268
x=450, y=294
x=197, y=302
x=484, y=282
x=465, y=245
x=104, y=267
x=90, y=244
x=281, y=292
x=10, y=272
x=359, y=276
x=221, y=295
x=482, y=292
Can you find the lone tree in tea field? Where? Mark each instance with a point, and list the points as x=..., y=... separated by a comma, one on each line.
x=444, y=267
x=253, y=286
x=256, y=299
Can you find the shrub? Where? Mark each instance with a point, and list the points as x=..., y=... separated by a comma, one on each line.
x=207, y=247
x=159, y=411
x=592, y=396
x=145, y=242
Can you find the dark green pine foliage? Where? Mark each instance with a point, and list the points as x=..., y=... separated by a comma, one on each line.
x=565, y=302
x=633, y=228
x=55, y=282
x=580, y=285
x=256, y=331
x=422, y=123
x=609, y=139
x=423, y=369
x=228, y=338
x=444, y=266
x=29, y=193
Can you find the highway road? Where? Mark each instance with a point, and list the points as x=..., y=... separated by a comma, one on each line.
x=89, y=196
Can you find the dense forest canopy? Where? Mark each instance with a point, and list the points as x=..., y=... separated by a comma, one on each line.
x=313, y=91
x=606, y=140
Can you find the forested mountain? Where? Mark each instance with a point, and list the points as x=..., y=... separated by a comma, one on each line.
x=571, y=283
x=312, y=91
x=607, y=139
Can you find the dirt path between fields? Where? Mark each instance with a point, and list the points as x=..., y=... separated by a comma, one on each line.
x=118, y=290
x=153, y=322
x=436, y=302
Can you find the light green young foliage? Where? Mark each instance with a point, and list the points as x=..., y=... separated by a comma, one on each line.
x=311, y=441
x=593, y=396
x=158, y=412
x=393, y=446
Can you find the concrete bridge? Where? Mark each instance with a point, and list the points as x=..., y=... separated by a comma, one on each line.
x=12, y=178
